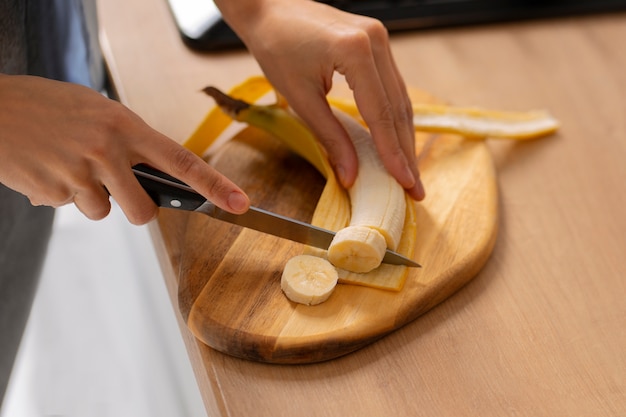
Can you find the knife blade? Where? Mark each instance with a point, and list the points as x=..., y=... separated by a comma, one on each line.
x=169, y=192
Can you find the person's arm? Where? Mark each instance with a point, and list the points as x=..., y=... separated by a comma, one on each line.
x=63, y=143
x=300, y=44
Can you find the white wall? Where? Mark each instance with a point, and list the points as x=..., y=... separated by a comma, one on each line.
x=102, y=339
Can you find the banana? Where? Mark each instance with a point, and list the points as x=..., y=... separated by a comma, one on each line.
x=308, y=279
x=357, y=249
x=378, y=207
x=333, y=208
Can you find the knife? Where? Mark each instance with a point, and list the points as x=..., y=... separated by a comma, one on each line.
x=169, y=192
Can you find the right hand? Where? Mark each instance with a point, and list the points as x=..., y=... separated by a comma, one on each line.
x=64, y=143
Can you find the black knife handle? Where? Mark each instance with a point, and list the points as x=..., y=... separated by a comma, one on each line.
x=167, y=191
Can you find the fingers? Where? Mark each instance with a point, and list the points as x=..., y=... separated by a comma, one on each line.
x=383, y=101
x=301, y=44
x=406, y=130
x=88, y=196
x=191, y=169
x=90, y=187
x=177, y=161
x=93, y=203
x=140, y=144
x=316, y=112
x=96, y=143
x=137, y=206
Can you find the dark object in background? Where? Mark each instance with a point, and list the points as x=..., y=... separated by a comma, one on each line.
x=201, y=26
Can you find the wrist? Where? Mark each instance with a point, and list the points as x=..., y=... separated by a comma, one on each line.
x=243, y=16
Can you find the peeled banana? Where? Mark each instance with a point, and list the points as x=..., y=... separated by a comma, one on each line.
x=357, y=248
x=378, y=207
x=333, y=208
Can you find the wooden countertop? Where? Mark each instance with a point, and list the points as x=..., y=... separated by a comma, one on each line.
x=540, y=330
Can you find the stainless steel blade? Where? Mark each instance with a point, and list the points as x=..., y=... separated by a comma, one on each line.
x=167, y=191
x=288, y=228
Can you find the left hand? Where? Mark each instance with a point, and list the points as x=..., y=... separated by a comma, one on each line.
x=300, y=44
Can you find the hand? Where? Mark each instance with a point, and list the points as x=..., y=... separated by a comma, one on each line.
x=64, y=143
x=300, y=44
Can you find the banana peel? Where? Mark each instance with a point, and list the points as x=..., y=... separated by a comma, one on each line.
x=471, y=122
x=333, y=209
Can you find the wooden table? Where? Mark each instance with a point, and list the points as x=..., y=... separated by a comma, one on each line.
x=541, y=330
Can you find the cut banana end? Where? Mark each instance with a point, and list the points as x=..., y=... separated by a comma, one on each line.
x=357, y=248
x=308, y=279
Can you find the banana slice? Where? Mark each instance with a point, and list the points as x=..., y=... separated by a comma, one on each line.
x=308, y=279
x=357, y=248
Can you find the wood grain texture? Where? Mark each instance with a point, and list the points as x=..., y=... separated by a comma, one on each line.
x=540, y=330
x=229, y=279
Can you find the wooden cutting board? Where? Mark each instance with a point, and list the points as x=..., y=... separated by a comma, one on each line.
x=229, y=277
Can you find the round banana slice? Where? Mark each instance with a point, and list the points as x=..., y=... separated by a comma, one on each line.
x=357, y=249
x=308, y=279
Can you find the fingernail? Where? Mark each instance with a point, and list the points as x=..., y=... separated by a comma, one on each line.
x=237, y=202
x=409, y=178
x=420, y=194
x=341, y=174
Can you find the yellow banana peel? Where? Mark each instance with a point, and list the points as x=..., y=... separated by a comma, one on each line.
x=333, y=209
x=216, y=121
x=471, y=122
